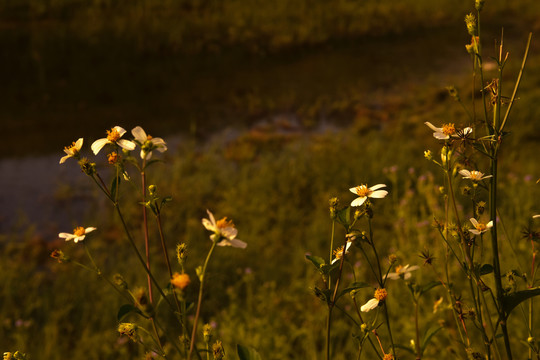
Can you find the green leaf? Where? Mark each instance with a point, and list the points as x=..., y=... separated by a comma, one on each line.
x=509, y=302
x=428, y=335
x=165, y=200
x=115, y=185
x=425, y=288
x=344, y=217
x=403, y=347
x=353, y=286
x=247, y=353
x=151, y=162
x=485, y=269
x=316, y=260
x=127, y=309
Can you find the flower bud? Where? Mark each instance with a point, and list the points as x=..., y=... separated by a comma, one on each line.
x=334, y=203
x=218, y=351
x=180, y=281
x=120, y=281
x=59, y=256
x=181, y=253
x=207, y=333
x=470, y=21
x=87, y=167
x=141, y=301
x=479, y=5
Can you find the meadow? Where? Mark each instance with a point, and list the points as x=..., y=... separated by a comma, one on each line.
x=276, y=180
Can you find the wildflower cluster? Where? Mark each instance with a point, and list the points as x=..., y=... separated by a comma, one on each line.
x=143, y=299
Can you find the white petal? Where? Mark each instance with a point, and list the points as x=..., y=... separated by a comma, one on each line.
x=440, y=136
x=64, y=158
x=139, y=134
x=76, y=239
x=65, y=235
x=238, y=243
x=377, y=187
x=120, y=130
x=208, y=225
x=432, y=127
x=489, y=224
x=79, y=143
x=358, y=201
x=393, y=276
x=211, y=217
x=474, y=231
x=467, y=130
x=465, y=173
x=413, y=268
x=379, y=194
x=98, y=145
x=229, y=232
x=536, y=216
x=370, y=305
x=353, y=190
x=126, y=144
x=474, y=222
x=89, y=229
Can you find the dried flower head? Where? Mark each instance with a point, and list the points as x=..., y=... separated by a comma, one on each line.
x=59, y=256
x=129, y=330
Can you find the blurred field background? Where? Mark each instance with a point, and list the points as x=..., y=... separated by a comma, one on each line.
x=270, y=108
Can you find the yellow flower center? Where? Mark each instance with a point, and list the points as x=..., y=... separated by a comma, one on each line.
x=380, y=294
x=180, y=281
x=113, y=158
x=338, y=253
x=79, y=231
x=362, y=190
x=388, y=357
x=113, y=135
x=448, y=129
x=224, y=223
x=398, y=269
x=476, y=175
x=72, y=149
x=481, y=227
x=148, y=137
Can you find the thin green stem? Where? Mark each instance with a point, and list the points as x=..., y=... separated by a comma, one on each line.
x=199, y=301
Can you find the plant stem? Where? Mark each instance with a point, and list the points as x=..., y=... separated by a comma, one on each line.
x=199, y=301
